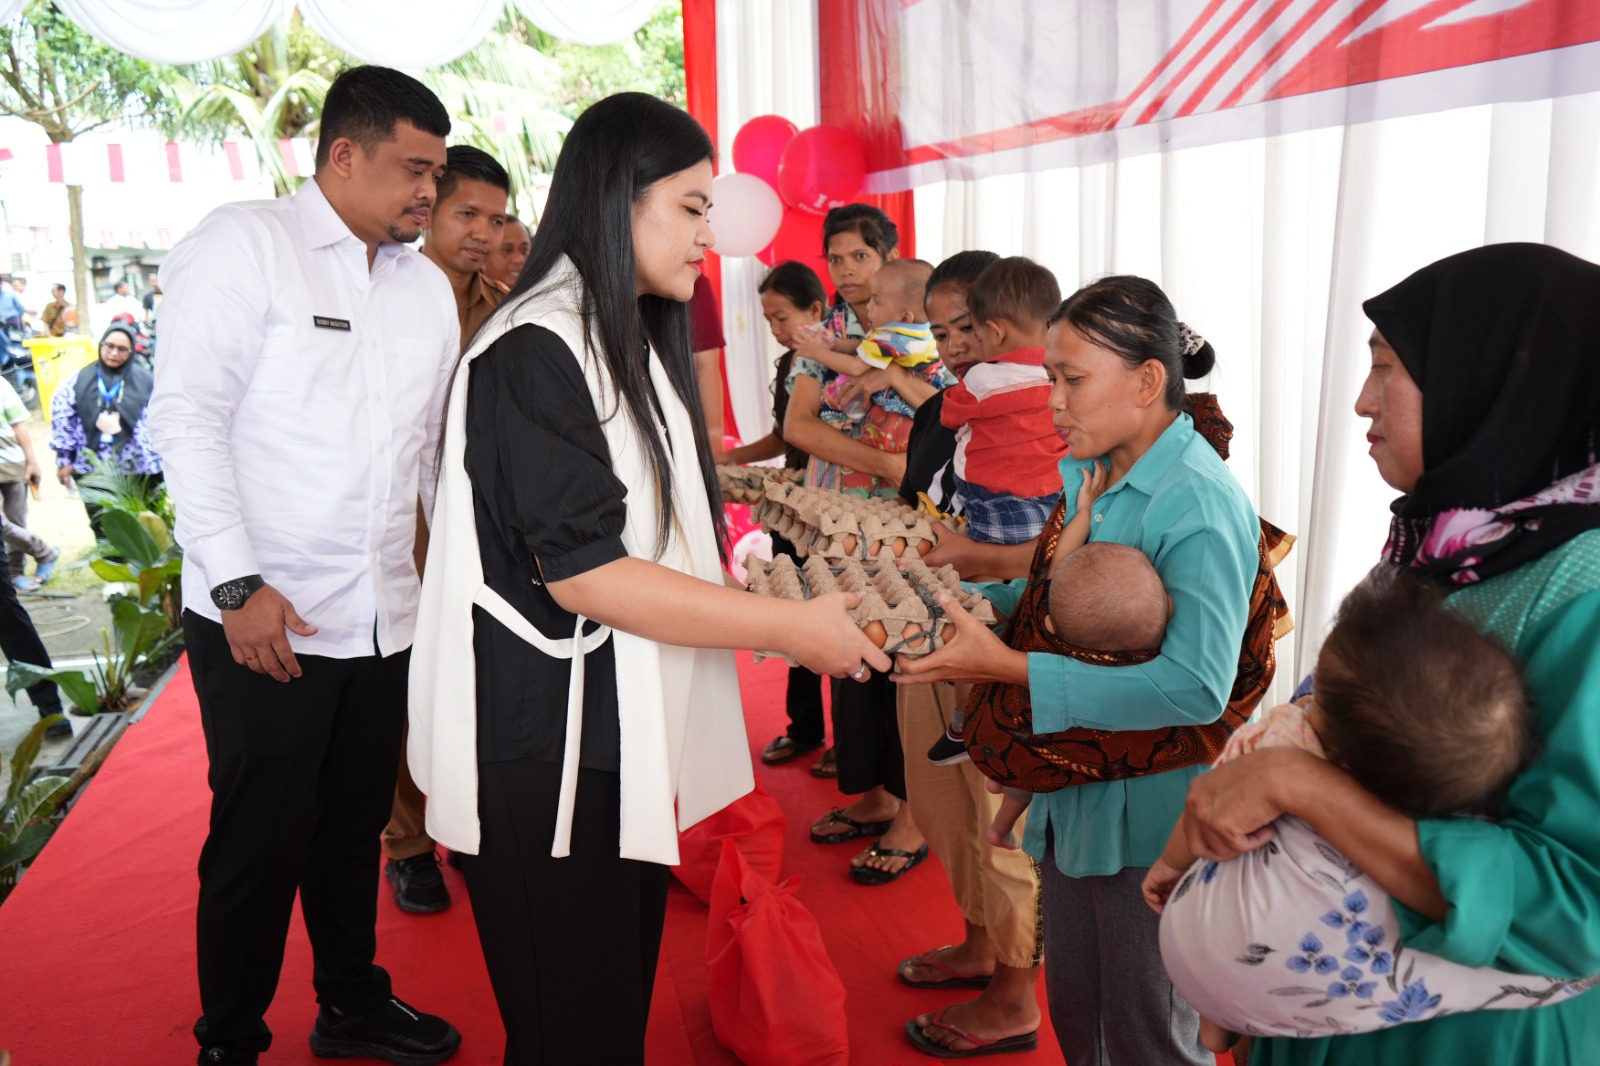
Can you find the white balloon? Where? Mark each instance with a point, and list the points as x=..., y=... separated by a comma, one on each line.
x=745, y=214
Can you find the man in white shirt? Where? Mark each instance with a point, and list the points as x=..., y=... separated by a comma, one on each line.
x=298, y=396
x=123, y=303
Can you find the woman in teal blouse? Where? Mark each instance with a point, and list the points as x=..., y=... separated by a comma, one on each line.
x=1116, y=359
x=1484, y=401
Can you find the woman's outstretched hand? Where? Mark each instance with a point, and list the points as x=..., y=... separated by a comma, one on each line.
x=828, y=641
x=973, y=653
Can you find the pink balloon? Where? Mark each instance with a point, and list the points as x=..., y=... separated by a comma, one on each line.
x=821, y=168
x=759, y=145
x=799, y=238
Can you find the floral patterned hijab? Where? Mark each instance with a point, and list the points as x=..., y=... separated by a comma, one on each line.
x=1504, y=343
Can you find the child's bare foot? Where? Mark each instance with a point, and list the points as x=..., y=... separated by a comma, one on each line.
x=1004, y=836
x=1215, y=1038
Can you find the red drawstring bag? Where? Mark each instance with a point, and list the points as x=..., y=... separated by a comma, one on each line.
x=754, y=821
x=776, y=999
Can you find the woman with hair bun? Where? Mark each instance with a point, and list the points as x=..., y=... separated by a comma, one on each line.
x=1117, y=358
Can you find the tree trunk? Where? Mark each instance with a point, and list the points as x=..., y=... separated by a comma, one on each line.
x=80, y=260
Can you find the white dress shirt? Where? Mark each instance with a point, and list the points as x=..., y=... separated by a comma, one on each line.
x=297, y=397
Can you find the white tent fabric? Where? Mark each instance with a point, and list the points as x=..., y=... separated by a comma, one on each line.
x=402, y=33
x=10, y=9
x=398, y=33
x=588, y=21
x=176, y=31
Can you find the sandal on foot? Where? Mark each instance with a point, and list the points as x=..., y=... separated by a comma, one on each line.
x=980, y=1046
x=857, y=829
x=951, y=978
x=26, y=584
x=870, y=875
x=782, y=749
x=827, y=766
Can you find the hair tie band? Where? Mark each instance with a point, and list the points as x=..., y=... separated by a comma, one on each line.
x=1188, y=340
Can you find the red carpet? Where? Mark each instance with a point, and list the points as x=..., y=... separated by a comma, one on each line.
x=97, y=942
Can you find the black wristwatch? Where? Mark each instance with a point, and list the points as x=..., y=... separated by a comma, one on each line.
x=230, y=595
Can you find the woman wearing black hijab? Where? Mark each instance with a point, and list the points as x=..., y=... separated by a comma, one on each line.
x=1484, y=401
x=102, y=413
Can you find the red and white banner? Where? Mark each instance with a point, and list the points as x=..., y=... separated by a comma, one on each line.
x=971, y=88
x=96, y=162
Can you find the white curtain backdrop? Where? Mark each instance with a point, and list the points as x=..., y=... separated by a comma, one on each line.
x=1268, y=247
x=766, y=65
x=396, y=33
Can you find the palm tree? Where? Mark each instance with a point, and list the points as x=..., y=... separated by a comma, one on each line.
x=500, y=96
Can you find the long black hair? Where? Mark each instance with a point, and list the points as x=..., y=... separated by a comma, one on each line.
x=796, y=283
x=614, y=153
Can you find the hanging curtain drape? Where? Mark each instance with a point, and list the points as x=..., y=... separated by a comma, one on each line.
x=766, y=65
x=396, y=33
x=1267, y=248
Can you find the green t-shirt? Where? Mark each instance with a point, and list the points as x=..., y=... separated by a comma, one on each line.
x=13, y=465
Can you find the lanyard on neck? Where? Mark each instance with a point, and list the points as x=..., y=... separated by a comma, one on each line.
x=108, y=397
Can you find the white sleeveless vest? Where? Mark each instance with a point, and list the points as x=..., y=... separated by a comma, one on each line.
x=682, y=723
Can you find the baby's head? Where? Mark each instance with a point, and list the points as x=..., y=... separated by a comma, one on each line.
x=897, y=292
x=1011, y=304
x=1108, y=597
x=1425, y=711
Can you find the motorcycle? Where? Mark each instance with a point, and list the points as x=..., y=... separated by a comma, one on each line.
x=144, y=339
x=16, y=366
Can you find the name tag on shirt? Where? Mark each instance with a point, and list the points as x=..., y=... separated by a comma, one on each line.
x=323, y=322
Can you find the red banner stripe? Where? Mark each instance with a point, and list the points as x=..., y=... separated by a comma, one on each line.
x=235, y=161
x=174, y=162
x=52, y=156
x=114, y=162
x=286, y=153
x=1195, y=60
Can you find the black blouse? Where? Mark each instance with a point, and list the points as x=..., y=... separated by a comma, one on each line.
x=548, y=507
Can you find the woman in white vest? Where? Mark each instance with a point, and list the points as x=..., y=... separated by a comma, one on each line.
x=563, y=724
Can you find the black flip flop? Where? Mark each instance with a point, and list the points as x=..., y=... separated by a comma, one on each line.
x=784, y=748
x=827, y=766
x=856, y=830
x=980, y=1046
x=869, y=875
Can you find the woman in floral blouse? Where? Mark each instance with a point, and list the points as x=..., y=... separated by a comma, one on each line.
x=102, y=414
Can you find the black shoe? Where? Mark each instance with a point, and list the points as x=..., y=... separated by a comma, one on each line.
x=453, y=858
x=392, y=1031
x=221, y=1056
x=418, y=885
x=948, y=750
x=61, y=730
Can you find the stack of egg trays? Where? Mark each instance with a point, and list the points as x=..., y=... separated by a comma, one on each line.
x=837, y=527
x=748, y=484
x=899, y=608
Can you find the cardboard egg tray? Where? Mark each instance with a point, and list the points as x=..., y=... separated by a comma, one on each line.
x=748, y=484
x=899, y=609
x=836, y=526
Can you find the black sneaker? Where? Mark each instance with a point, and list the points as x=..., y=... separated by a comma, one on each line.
x=948, y=750
x=61, y=730
x=392, y=1031
x=221, y=1056
x=418, y=885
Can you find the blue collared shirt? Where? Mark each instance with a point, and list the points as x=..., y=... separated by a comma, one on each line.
x=1182, y=507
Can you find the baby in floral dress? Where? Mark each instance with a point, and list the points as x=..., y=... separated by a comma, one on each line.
x=1428, y=714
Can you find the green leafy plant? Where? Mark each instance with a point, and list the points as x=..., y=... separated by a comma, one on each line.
x=108, y=486
x=138, y=550
x=138, y=636
x=28, y=810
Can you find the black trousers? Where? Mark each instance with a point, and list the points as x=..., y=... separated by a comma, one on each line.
x=302, y=776
x=571, y=944
x=20, y=640
x=803, y=699
x=866, y=736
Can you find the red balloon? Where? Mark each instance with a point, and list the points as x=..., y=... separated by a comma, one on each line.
x=821, y=168
x=799, y=238
x=759, y=145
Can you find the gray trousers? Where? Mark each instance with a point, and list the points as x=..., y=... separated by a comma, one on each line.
x=14, y=527
x=1110, y=1000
